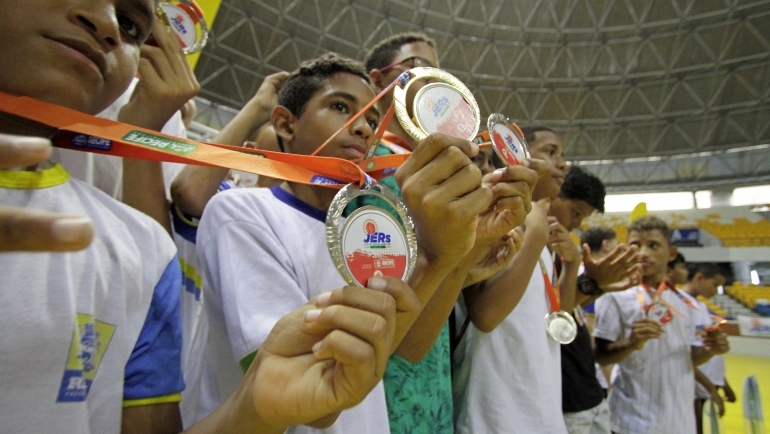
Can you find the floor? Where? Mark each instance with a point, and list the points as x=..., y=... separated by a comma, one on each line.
x=738, y=368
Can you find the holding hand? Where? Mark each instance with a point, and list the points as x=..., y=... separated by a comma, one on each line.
x=166, y=82
x=328, y=355
x=29, y=230
x=560, y=242
x=644, y=330
x=511, y=199
x=715, y=342
x=442, y=189
x=494, y=258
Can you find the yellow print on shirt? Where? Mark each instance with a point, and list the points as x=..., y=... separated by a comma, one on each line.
x=89, y=343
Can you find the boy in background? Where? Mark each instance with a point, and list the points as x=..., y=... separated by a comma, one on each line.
x=654, y=388
x=704, y=280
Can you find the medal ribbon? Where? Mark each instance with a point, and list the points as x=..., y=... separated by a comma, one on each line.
x=82, y=132
x=657, y=297
x=549, y=289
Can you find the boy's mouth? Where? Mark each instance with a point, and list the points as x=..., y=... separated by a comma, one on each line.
x=84, y=52
x=355, y=150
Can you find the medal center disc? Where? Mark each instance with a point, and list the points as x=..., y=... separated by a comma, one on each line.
x=181, y=23
x=440, y=108
x=507, y=145
x=373, y=244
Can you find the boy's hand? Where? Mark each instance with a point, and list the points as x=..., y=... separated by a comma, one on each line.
x=715, y=342
x=644, y=330
x=718, y=402
x=511, y=199
x=729, y=394
x=560, y=242
x=328, y=355
x=494, y=258
x=538, y=222
x=617, y=271
x=266, y=97
x=442, y=190
x=28, y=230
x=166, y=82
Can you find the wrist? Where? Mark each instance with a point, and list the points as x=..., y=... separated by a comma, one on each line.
x=588, y=286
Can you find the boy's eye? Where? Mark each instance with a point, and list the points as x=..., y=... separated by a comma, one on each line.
x=340, y=107
x=129, y=26
x=372, y=124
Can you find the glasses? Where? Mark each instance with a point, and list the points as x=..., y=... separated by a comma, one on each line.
x=416, y=61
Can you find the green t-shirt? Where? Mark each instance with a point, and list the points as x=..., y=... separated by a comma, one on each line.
x=419, y=395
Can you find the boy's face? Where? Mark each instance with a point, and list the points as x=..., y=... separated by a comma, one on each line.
x=547, y=146
x=570, y=212
x=708, y=286
x=654, y=251
x=416, y=54
x=340, y=98
x=81, y=54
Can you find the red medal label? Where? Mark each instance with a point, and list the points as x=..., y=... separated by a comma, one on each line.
x=374, y=245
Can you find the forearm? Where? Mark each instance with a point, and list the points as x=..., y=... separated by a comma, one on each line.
x=608, y=353
x=408, y=342
x=236, y=415
x=144, y=189
x=568, y=286
x=701, y=378
x=490, y=302
x=424, y=331
x=196, y=185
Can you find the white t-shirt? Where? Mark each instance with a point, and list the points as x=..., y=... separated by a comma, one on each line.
x=510, y=379
x=714, y=368
x=654, y=388
x=264, y=254
x=85, y=330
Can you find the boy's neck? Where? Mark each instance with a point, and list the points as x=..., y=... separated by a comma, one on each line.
x=654, y=280
x=690, y=289
x=313, y=195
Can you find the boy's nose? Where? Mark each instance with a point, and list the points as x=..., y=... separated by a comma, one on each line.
x=98, y=18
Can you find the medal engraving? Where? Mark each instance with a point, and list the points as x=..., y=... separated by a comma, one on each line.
x=507, y=141
x=659, y=313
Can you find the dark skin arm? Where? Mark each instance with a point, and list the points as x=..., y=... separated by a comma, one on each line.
x=608, y=352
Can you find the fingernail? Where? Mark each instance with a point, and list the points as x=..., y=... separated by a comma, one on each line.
x=377, y=283
x=316, y=346
x=323, y=299
x=498, y=174
x=525, y=162
x=474, y=148
x=72, y=230
x=312, y=315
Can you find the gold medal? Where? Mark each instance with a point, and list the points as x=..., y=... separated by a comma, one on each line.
x=446, y=106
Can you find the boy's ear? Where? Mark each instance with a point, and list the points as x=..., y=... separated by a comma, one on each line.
x=283, y=123
x=376, y=77
x=672, y=251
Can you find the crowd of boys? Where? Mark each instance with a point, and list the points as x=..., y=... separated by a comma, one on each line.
x=142, y=297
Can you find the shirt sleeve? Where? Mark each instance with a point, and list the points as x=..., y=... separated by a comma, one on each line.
x=609, y=323
x=153, y=372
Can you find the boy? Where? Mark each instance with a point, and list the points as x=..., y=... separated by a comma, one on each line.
x=703, y=280
x=677, y=270
x=524, y=393
x=418, y=380
x=654, y=388
x=275, y=238
x=113, y=306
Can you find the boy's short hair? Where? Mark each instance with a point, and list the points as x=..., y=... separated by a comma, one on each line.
x=303, y=82
x=582, y=185
x=707, y=269
x=650, y=223
x=596, y=235
x=382, y=54
x=679, y=259
x=529, y=132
